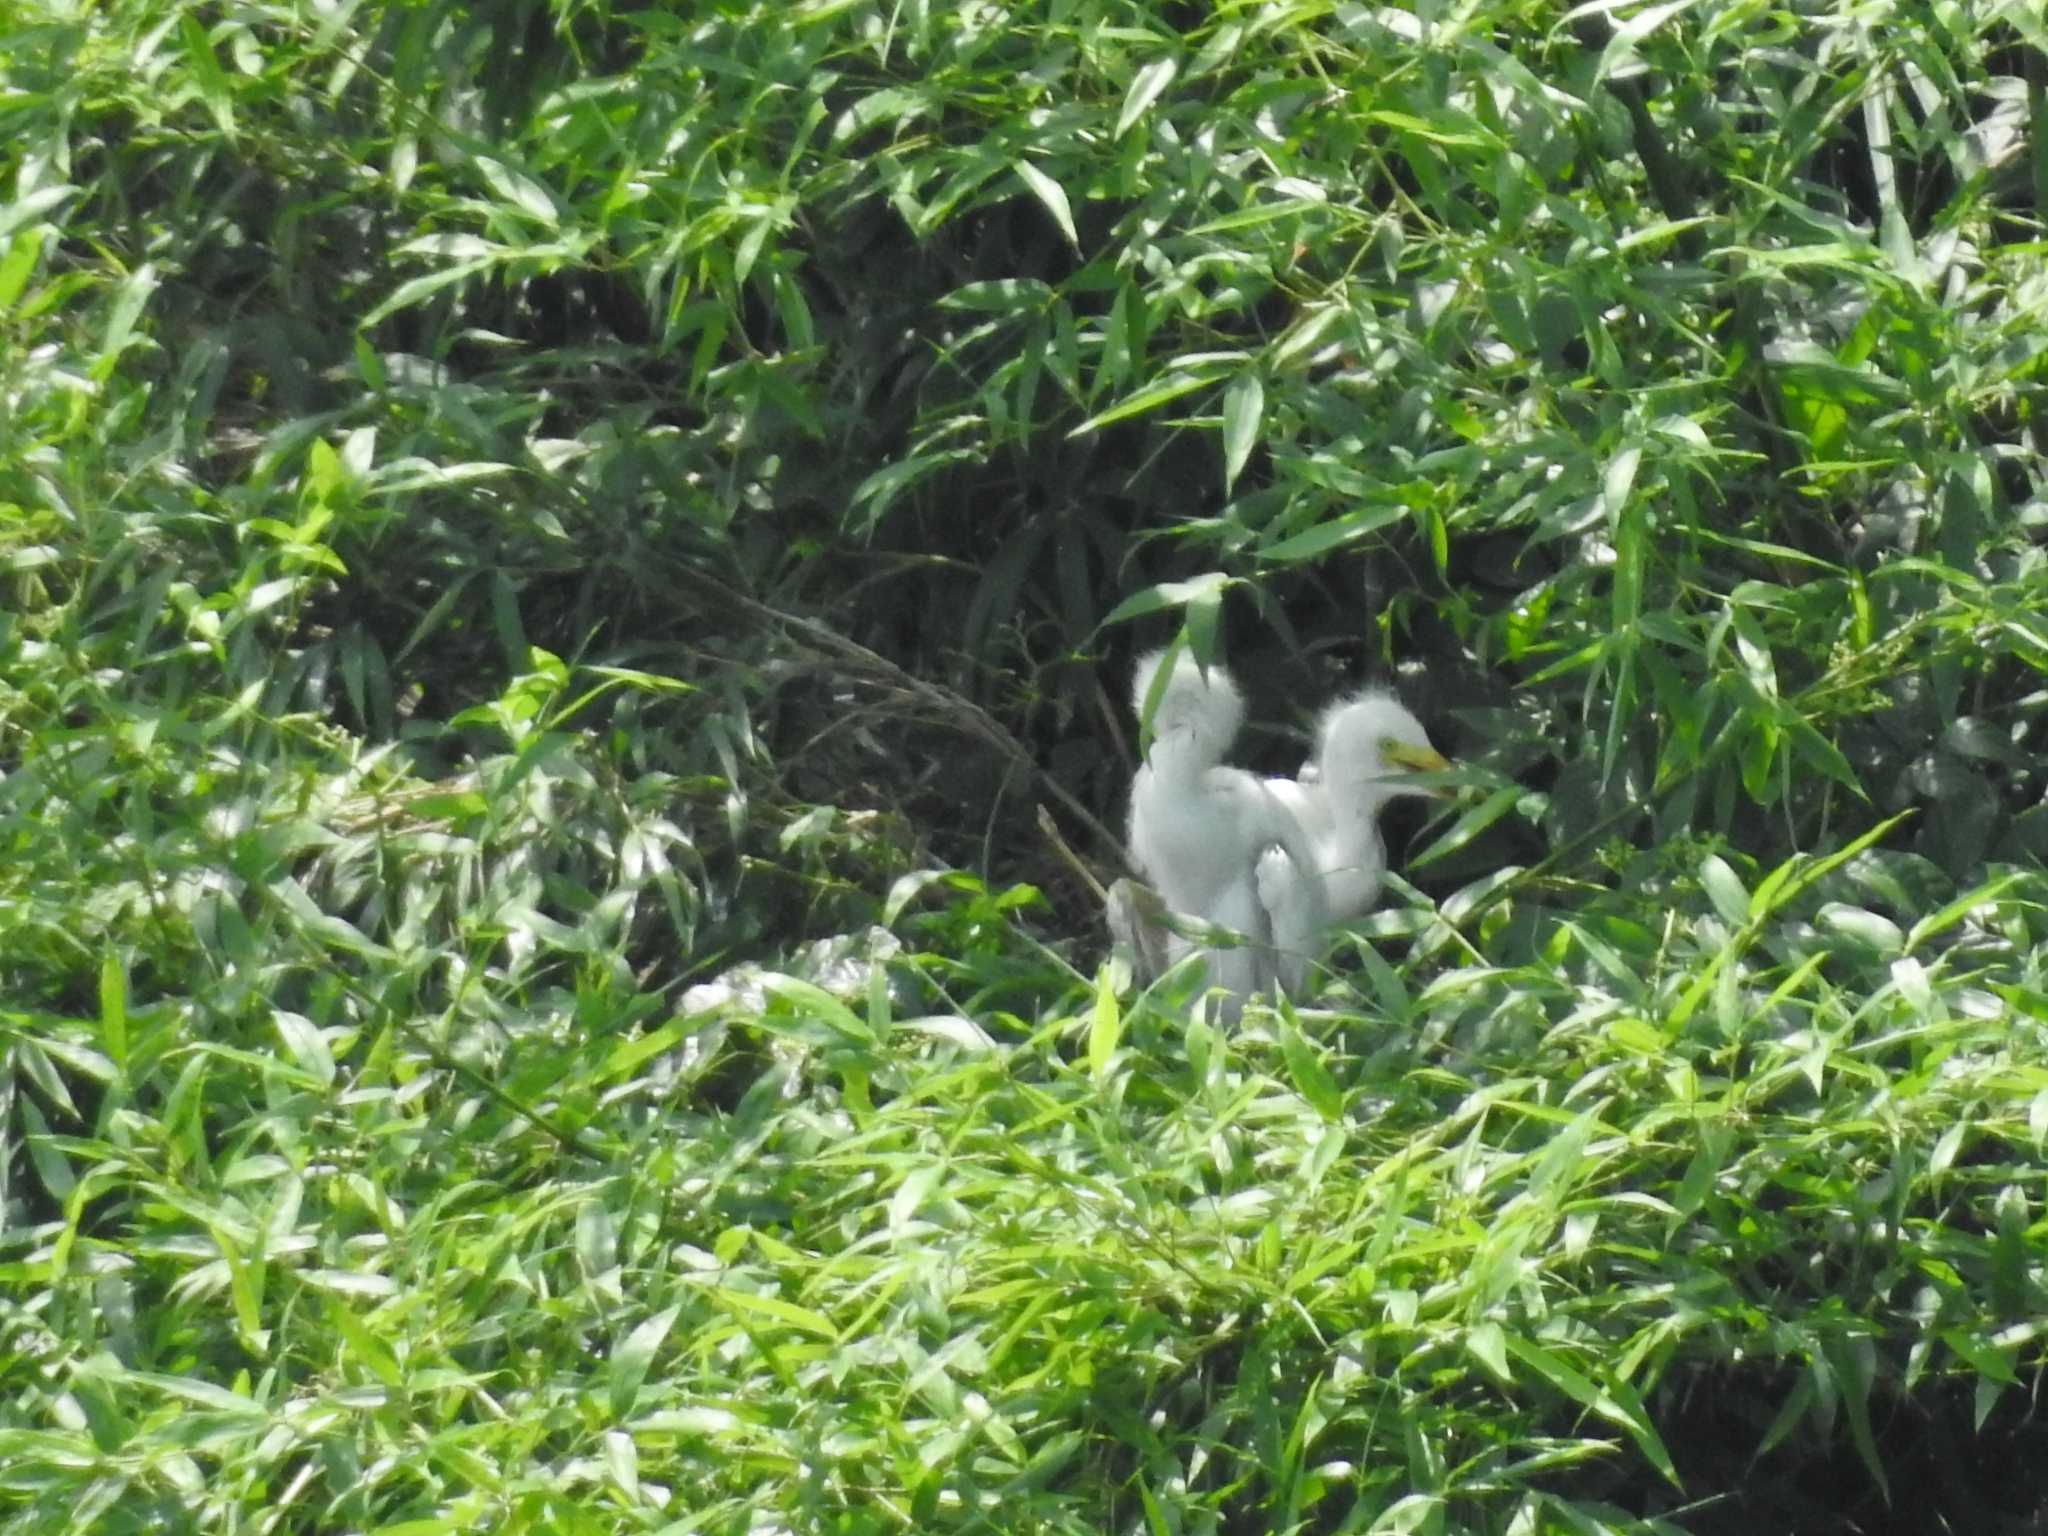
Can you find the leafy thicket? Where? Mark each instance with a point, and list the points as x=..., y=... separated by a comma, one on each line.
x=550, y=551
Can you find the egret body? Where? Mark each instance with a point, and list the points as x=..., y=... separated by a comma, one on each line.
x=1366, y=748
x=1218, y=842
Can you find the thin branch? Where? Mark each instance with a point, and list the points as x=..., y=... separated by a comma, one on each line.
x=962, y=713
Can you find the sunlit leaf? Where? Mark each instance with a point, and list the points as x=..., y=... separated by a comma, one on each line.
x=1146, y=87
x=1053, y=195
x=1244, y=405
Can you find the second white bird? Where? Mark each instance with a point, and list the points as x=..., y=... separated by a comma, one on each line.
x=1271, y=860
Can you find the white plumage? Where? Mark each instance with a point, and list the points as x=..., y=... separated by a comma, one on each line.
x=1273, y=860
x=1201, y=831
x=1366, y=746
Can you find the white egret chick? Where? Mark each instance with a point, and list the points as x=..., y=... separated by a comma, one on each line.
x=1366, y=746
x=1216, y=841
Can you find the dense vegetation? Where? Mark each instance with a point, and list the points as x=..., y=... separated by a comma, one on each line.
x=552, y=552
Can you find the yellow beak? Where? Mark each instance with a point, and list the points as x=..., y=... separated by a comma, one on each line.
x=1418, y=760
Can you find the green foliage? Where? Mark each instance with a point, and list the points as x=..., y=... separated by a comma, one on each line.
x=539, y=541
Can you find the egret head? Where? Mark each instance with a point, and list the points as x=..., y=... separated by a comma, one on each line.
x=1368, y=744
x=1203, y=711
